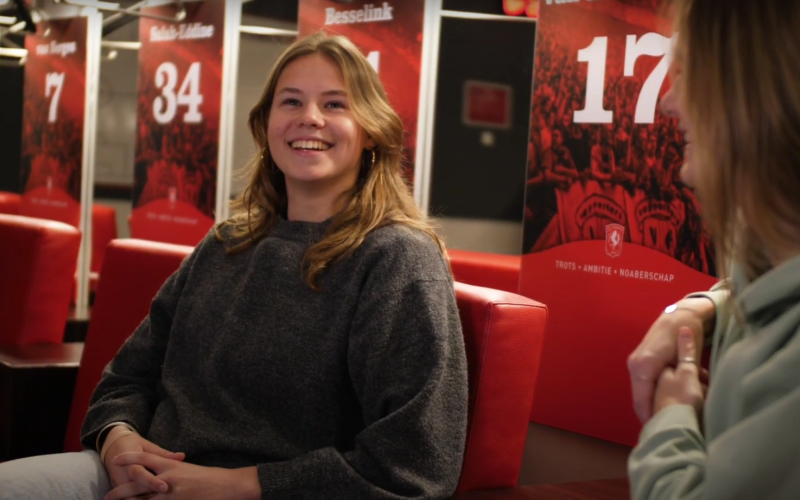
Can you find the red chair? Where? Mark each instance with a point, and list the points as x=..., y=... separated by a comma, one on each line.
x=132, y=273
x=489, y=270
x=9, y=203
x=503, y=334
x=104, y=230
x=37, y=265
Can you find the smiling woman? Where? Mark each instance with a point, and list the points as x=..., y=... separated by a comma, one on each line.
x=313, y=137
x=324, y=90
x=310, y=346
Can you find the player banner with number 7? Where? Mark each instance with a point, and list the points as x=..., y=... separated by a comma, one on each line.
x=611, y=234
x=53, y=120
x=178, y=122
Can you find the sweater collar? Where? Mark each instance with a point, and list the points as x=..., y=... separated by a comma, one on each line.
x=305, y=232
x=777, y=285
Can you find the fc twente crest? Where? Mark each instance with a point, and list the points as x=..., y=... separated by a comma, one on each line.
x=614, y=236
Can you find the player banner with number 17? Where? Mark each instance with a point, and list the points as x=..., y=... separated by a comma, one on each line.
x=611, y=234
x=177, y=141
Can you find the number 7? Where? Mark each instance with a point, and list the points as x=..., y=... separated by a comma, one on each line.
x=53, y=80
x=651, y=44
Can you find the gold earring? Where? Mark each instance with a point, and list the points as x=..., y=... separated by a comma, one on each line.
x=373, y=159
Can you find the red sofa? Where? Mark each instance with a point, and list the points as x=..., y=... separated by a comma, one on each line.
x=133, y=272
x=9, y=203
x=503, y=335
x=37, y=273
x=104, y=228
x=490, y=270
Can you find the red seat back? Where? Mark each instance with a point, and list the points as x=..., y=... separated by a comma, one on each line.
x=503, y=334
x=37, y=265
x=9, y=203
x=104, y=230
x=490, y=270
x=132, y=273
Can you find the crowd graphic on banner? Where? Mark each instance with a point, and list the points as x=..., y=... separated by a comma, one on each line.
x=584, y=177
x=177, y=162
x=52, y=152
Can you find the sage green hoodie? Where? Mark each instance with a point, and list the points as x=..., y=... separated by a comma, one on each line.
x=749, y=446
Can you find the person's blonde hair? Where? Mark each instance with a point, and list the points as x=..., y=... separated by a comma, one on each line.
x=380, y=197
x=740, y=71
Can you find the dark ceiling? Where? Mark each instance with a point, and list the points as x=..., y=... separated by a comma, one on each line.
x=276, y=9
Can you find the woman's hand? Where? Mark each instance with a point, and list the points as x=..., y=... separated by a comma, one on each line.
x=681, y=385
x=137, y=479
x=188, y=481
x=659, y=348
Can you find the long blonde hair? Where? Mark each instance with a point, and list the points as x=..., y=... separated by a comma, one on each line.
x=380, y=197
x=740, y=70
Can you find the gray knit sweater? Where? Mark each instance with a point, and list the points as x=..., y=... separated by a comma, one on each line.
x=356, y=391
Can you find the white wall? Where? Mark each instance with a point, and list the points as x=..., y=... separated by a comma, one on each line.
x=492, y=236
x=116, y=113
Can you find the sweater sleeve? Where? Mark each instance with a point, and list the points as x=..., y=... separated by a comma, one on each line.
x=755, y=458
x=719, y=295
x=128, y=389
x=669, y=461
x=408, y=368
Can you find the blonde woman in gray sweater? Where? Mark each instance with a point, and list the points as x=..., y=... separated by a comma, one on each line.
x=310, y=347
x=736, y=90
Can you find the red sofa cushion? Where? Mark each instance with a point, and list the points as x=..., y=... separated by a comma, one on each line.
x=503, y=335
x=132, y=273
x=37, y=265
x=489, y=270
x=9, y=203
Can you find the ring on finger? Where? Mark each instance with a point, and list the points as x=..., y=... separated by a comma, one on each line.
x=687, y=359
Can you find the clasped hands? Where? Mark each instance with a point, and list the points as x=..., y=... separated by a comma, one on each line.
x=141, y=469
x=664, y=368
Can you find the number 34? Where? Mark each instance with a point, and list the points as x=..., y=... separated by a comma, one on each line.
x=651, y=44
x=166, y=105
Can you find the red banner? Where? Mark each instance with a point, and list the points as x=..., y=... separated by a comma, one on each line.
x=390, y=35
x=177, y=141
x=611, y=233
x=53, y=119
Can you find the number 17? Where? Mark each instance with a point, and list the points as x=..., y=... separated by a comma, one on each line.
x=651, y=44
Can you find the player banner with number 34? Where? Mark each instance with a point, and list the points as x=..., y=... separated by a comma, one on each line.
x=53, y=120
x=611, y=234
x=177, y=140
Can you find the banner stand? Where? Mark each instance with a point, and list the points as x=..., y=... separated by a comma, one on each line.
x=427, y=103
x=94, y=36
x=227, y=120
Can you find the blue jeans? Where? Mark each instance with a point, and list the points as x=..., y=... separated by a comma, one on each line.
x=66, y=476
